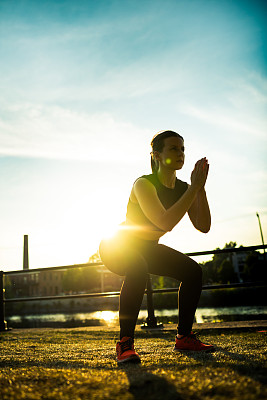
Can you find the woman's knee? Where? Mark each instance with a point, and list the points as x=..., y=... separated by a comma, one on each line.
x=197, y=269
x=193, y=272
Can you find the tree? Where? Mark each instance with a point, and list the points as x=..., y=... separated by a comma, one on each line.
x=255, y=267
x=80, y=279
x=215, y=271
x=95, y=258
x=226, y=272
x=161, y=282
x=210, y=273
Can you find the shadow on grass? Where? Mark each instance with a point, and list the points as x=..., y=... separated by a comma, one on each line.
x=243, y=364
x=145, y=385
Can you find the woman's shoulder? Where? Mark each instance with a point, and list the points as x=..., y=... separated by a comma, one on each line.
x=145, y=183
x=152, y=178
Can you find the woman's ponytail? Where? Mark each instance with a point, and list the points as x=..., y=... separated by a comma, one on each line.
x=154, y=164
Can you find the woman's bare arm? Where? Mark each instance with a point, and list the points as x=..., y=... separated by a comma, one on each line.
x=151, y=206
x=199, y=212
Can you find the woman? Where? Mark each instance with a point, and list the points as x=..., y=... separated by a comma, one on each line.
x=157, y=203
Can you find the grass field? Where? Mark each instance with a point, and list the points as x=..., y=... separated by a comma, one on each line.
x=80, y=364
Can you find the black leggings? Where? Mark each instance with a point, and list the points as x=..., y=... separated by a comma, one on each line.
x=134, y=258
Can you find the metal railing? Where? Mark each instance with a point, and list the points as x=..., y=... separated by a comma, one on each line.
x=151, y=321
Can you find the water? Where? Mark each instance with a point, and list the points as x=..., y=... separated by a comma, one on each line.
x=111, y=318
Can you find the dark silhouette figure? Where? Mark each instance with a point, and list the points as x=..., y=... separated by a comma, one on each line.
x=157, y=203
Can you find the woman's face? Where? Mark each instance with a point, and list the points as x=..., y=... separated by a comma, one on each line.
x=172, y=155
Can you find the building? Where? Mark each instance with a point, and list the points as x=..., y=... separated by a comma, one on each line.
x=35, y=284
x=238, y=261
x=49, y=282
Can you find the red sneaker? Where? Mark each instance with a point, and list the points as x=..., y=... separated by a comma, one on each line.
x=191, y=343
x=125, y=351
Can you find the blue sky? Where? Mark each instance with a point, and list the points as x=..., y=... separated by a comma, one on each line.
x=84, y=87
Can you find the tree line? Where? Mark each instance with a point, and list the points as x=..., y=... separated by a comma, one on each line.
x=220, y=269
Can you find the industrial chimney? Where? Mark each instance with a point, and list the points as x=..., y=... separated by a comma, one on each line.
x=25, y=253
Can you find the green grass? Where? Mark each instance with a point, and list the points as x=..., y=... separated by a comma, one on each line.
x=80, y=364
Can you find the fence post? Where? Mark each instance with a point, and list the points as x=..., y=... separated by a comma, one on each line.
x=151, y=321
x=3, y=324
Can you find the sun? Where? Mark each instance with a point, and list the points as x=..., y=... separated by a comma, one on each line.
x=110, y=317
x=110, y=231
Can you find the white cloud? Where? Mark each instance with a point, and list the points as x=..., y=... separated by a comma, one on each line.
x=54, y=132
x=241, y=110
x=224, y=118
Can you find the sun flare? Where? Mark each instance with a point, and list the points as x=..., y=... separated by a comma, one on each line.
x=109, y=231
x=108, y=316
